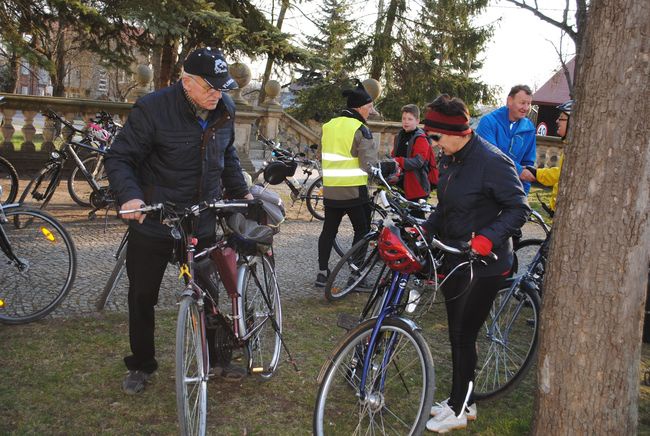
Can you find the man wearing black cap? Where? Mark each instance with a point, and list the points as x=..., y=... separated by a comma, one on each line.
x=347, y=151
x=177, y=146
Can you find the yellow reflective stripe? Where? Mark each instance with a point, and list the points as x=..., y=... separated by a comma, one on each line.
x=353, y=163
x=353, y=172
x=336, y=157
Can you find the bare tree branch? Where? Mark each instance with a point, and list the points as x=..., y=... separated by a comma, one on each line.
x=563, y=25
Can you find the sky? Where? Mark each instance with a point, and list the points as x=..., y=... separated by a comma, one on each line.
x=520, y=52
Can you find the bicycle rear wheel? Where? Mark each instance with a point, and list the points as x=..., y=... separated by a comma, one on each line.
x=359, y=268
x=79, y=188
x=8, y=181
x=48, y=265
x=507, y=345
x=262, y=315
x=191, y=368
x=399, y=386
x=314, y=199
x=525, y=252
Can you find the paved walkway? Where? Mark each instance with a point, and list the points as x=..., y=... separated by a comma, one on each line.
x=97, y=241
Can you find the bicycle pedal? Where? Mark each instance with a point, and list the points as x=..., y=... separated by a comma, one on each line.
x=257, y=370
x=347, y=321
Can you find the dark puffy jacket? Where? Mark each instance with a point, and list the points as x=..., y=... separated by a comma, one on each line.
x=479, y=192
x=157, y=156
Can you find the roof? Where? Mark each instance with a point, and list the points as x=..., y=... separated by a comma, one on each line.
x=555, y=91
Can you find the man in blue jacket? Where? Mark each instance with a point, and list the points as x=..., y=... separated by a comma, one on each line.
x=177, y=146
x=511, y=131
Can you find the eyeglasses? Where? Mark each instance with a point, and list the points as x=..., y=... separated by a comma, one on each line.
x=435, y=136
x=207, y=89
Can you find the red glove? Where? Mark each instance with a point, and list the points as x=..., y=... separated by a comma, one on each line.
x=481, y=245
x=400, y=161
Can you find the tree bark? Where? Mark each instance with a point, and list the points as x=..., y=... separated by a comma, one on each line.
x=590, y=344
x=269, y=62
x=383, y=45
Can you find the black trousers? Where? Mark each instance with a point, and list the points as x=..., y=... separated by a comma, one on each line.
x=467, y=310
x=359, y=217
x=146, y=261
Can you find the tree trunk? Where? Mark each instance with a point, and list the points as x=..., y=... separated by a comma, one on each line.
x=383, y=44
x=590, y=344
x=13, y=66
x=167, y=61
x=58, y=78
x=269, y=62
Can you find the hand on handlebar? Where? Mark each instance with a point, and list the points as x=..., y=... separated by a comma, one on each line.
x=131, y=205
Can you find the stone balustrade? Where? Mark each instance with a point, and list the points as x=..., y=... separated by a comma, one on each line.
x=268, y=119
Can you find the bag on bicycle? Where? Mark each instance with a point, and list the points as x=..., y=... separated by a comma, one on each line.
x=247, y=236
x=272, y=213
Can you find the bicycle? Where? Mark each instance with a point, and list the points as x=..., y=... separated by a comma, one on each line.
x=243, y=261
x=8, y=181
x=40, y=265
x=307, y=190
x=357, y=268
x=509, y=344
x=40, y=189
x=371, y=361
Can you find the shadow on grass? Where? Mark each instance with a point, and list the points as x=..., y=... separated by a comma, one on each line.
x=64, y=377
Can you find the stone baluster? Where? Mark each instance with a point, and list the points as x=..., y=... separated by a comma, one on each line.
x=242, y=75
x=541, y=157
x=272, y=89
x=69, y=117
x=8, y=129
x=49, y=132
x=28, y=131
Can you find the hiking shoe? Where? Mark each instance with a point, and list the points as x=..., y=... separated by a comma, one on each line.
x=135, y=381
x=321, y=279
x=446, y=421
x=438, y=408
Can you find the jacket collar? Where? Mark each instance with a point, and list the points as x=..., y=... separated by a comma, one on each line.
x=464, y=152
x=226, y=104
x=349, y=113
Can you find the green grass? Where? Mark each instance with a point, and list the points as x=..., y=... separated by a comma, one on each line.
x=64, y=377
x=18, y=138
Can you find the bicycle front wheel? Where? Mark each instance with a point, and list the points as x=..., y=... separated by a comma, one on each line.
x=358, y=269
x=79, y=188
x=507, y=343
x=191, y=368
x=314, y=198
x=262, y=315
x=35, y=284
x=399, y=385
x=8, y=181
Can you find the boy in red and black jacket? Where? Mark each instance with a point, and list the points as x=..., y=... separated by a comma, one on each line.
x=414, y=155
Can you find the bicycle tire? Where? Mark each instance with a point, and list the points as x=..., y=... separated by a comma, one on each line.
x=50, y=257
x=506, y=354
x=524, y=253
x=360, y=266
x=259, y=288
x=79, y=188
x=314, y=199
x=340, y=410
x=113, y=281
x=191, y=368
x=8, y=181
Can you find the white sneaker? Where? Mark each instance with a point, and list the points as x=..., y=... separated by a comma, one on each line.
x=446, y=420
x=470, y=412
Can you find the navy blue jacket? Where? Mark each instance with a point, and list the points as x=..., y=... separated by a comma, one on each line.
x=157, y=156
x=479, y=192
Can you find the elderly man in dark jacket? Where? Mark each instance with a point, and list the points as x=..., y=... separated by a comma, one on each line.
x=177, y=146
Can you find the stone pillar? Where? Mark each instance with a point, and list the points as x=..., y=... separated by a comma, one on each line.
x=28, y=131
x=373, y=87
x=8, y=129
x=242, y=75
x=143, y=77
x=49, y=132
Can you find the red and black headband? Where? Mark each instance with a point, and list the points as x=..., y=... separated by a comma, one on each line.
x=456, y=125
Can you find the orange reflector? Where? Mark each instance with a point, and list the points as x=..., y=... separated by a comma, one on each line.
x=48, y=234
x=257, y=370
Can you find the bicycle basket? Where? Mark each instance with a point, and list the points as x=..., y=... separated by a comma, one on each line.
x=247, y=236
x=275, y=172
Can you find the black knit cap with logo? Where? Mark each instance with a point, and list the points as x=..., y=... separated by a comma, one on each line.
x=357, y=97
x=210, y=64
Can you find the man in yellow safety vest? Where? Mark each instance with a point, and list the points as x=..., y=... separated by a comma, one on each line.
x=347, y=149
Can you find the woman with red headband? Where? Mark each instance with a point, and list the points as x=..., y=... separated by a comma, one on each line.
x=481, y=201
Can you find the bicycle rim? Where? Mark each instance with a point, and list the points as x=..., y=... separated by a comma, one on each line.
x=399, y=385
x=315, y=204
x=113, y=280
x=359, y=269
x=261, y=308
x=79, y=188
x=506, y=346
x=48, y=266
x=191, y=374
x=8, y=181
